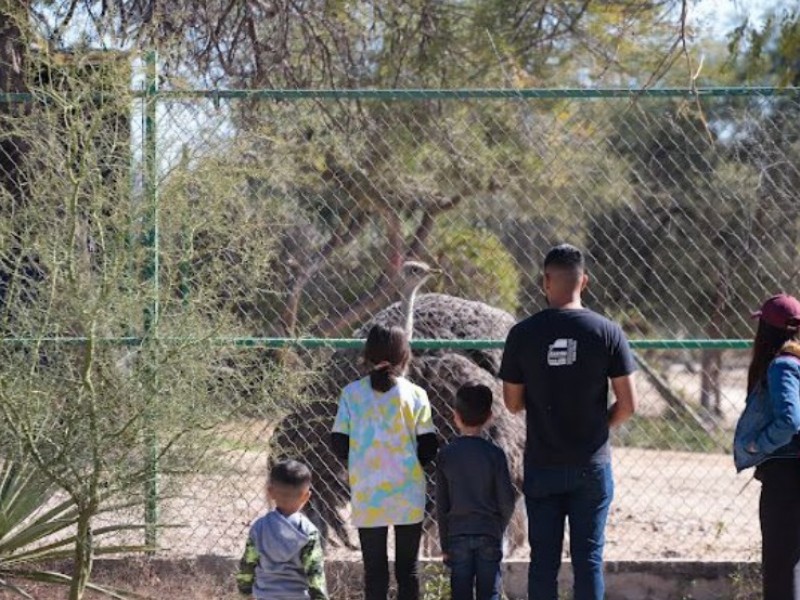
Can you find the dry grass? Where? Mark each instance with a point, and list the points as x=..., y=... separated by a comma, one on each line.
x=202, y=579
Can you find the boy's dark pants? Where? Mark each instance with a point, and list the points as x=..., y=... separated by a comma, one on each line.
x=376, y=561
x=474, y=562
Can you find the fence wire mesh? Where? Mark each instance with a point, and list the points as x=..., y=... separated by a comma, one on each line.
x=279, y=215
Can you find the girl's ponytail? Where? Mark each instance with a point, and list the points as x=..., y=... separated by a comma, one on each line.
x=387, y=352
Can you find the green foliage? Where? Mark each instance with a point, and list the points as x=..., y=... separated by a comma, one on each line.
x=78, y=260
x=665, y=433
x=389, y=43
x=768, y=53
x=476, y=265
x=218, y=236
x=669, y=146
x=436, y=584
x=37, y=528
x=746, y=583
x=318, y=191
x=705, y=233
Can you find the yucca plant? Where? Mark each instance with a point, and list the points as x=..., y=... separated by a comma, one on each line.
x=37, y=528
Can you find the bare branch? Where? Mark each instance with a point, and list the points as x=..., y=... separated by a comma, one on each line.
x=429, y=213
x=65, y=21
x=338, y=240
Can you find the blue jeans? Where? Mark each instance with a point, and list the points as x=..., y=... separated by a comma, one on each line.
x=475, y=567
x=583, y=495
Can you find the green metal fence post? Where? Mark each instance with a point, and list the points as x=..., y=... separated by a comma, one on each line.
x=152, y=310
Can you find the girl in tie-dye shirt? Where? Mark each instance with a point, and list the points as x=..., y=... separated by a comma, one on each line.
x=384, y=431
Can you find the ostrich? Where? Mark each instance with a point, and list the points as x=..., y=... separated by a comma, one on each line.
x=304, y=433
x=414, y=275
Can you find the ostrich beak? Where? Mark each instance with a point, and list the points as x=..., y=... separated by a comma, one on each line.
x=435, y=271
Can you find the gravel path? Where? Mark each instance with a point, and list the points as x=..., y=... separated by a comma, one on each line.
x=667, y=505
x=682, y=505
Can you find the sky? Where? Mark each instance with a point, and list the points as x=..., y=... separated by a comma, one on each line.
x=717, y=18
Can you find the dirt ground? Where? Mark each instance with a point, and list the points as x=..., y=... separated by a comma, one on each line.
x=682, y=505
x=668, y=504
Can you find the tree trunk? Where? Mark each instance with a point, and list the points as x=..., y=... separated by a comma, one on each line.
x=13, y=60
x=710, y=392
x=83, y=555
x=13, y=18
x=711, y=360
x=13, y=51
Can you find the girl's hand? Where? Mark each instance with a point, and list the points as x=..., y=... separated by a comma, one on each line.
x=446, y=559
x=751, y=448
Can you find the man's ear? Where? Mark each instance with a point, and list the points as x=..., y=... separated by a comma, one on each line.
x=584, y=281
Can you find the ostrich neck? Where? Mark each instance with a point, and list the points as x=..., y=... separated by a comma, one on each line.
x=408, y=312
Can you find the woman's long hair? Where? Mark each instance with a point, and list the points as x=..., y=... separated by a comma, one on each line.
x=767, y=344
x=387, y=353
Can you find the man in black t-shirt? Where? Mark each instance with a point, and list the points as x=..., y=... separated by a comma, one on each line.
x=556, y=366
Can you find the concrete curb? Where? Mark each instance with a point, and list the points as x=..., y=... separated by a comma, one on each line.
x=656, y=580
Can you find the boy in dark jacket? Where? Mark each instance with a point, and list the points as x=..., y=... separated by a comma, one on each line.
x=283, y=556
x=474, y=499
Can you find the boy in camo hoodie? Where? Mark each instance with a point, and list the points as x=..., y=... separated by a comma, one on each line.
x=283, y=556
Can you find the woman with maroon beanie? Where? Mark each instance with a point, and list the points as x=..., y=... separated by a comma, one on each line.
x=767, y=438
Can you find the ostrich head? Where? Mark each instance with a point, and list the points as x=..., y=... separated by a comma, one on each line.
x=412, y=275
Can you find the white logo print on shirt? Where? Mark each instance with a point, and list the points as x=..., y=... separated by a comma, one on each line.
x=562, y=352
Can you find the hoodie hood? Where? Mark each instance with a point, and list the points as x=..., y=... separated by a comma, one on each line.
x=281, y=538
x=791, y=348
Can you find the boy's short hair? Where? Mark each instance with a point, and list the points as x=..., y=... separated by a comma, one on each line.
x=566, y=257
x=290, y=475
x=474, y=404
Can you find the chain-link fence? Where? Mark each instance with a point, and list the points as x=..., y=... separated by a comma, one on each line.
x=257, y=219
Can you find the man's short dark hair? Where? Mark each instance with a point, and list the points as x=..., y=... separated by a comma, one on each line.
x=474, y=404
x=291, y=474
x=565, y=256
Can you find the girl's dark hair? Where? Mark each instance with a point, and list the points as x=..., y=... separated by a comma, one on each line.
x=386, y=345
x=768, y=342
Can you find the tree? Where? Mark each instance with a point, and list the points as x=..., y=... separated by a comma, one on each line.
x=312, y=43
x=93, y=417
x=697, y=244
x=475, y=265
x=768, y=140
x=415, y=43
x=768, y=53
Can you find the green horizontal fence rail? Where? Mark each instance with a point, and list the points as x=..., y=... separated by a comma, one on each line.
x=434, y=94
x=338, y=343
